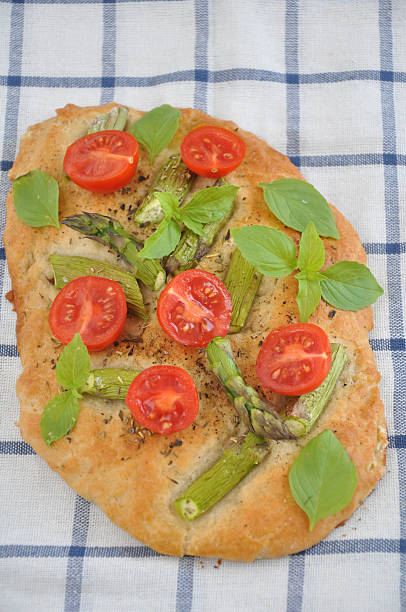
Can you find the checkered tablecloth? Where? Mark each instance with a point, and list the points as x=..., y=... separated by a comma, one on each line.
x=324, y=82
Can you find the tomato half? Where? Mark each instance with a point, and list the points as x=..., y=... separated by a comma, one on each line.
x=102, y=162
x=194, y=308
x=294, y=359
x=212, y=151
x=94, y=307
x=163, y=399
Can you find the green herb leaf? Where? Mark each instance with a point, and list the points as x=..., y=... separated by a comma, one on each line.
x=308, y=297
x=155, y=130
x=296, y=202
x=349, y=285
x=323, y=477
x=169, y=203
x=163, y=241
x=206, y=206
x=59, y=416
x=269, y=250
x=311, y=250
x=73, y=367
x=36, y=198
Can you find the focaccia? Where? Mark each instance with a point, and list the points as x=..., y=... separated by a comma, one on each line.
x=134, y=477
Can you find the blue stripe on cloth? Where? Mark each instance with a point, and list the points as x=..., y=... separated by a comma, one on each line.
x=326, y=547
x=201, y=74
x=83, y=1
x=184, y=584
x=11, y=111
x=294, y=596
x=201, y=54
x=385, y=248
x=8, y=350
x=385, y=344
x=367, y=545
x=295, y=583
x=397, y=441
x=349, y=159
x=13, y=92
x=393, y=262
x=292, y=87
x=108, y=52
x=15, y=447
x=74, y=573
x=21, y=551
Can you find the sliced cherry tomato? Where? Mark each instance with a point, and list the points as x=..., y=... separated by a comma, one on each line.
x=294, y=359
x=163, y=399
x=94, y=307
x=102, y=162
x=212, y=151
x=194, y=308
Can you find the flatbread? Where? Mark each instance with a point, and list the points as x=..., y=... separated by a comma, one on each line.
x=135, y=477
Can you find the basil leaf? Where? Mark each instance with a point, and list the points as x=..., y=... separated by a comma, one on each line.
x=169, y=203
x=349, y=285
x=195, y=226
x=73, y=367
x=311, y=250
x=36, y=198
x=323, y=477
x=296, y=202
x=155, y=130
x=308, y=297
x=163, y=241
x=269, y=250
x=59, y=416
x=208, y=205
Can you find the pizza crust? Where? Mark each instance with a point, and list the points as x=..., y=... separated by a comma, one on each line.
x=135, y=479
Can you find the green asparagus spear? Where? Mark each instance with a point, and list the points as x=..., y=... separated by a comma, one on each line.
x=192, y=248
x=109, y=383
x=109, y=232
x=113, y=120
x=242, y=281
x=173, y=177
x=235, y=463
x=307, y=409
x=183, y=256
x=258, y=415
x=66, y=268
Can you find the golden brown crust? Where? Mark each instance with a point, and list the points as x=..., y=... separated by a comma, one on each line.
x=135, y=480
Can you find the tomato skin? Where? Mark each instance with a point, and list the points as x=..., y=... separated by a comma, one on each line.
x=212, y=151
x=163, y=399
x=294, y=359
x=102, y=162
x=194, y=308
x=94, y=307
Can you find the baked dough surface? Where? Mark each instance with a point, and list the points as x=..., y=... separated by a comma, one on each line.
x=134, y=477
